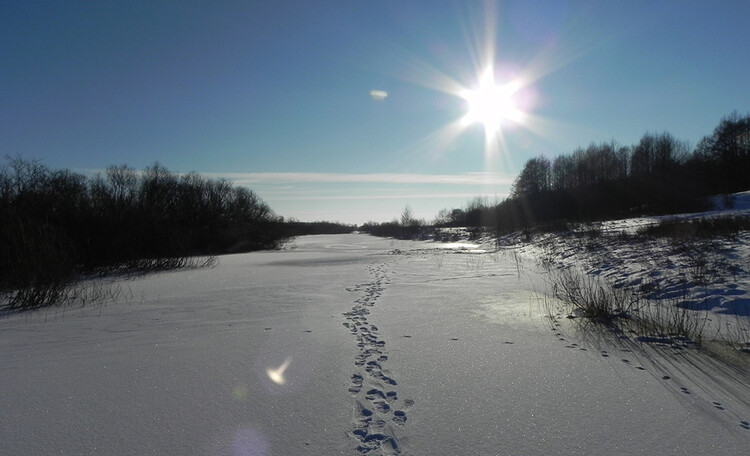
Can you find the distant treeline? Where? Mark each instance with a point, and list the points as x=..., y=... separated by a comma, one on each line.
x=659, y=175
x=296, y=228
x=58, y=224
x=392, y=229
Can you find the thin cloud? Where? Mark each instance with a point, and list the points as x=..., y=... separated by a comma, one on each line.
x=466, y=196
x=378, y=95
x=470, y=178
x=475, y=178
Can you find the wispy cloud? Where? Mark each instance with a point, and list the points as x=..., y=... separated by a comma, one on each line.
x=378, y=95
x=409, y=196
x=475, y=178
x=471, y=178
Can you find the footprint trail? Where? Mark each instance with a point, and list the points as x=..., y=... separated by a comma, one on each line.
x=378, y=412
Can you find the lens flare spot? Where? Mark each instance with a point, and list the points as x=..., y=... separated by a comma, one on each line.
x=249, y=442
x=277, y=375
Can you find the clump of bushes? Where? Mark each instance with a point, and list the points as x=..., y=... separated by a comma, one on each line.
x=57, y=225
x=407, y=227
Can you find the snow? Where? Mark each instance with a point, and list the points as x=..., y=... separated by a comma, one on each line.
x=710, y=277
x=349, y=344
x=739, y=202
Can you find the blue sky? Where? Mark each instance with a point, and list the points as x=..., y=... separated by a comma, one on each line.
x=277, y=95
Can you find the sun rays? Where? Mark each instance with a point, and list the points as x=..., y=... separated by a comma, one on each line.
x=493, y=92
x=496, y=106
x=492, y=104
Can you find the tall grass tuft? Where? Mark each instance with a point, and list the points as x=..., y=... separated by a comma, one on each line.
x=591, y=299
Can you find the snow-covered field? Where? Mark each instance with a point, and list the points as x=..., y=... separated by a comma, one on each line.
x=349, y=344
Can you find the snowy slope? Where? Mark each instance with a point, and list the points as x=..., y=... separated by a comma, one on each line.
x=352, y=345
x=709, y=277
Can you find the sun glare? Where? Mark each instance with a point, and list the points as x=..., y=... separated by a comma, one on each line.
x=491, y=104
x=501, y=97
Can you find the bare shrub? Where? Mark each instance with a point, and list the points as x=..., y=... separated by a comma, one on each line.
x=593, y=300
x=590, y=297
x=36, y=264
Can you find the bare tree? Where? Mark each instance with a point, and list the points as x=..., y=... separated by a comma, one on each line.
x=407, y=216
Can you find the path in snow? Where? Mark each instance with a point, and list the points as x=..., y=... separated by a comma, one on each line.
x=377, y=406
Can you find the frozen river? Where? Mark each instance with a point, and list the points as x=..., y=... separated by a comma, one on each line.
x=350, y=344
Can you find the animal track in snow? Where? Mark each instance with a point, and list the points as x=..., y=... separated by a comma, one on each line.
x=665, y=376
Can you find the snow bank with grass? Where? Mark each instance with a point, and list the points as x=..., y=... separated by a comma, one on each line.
x=693, y=269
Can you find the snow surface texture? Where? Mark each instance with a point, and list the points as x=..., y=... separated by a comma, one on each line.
x=351, y=345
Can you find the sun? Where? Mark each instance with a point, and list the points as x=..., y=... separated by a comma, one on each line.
x=491, y=104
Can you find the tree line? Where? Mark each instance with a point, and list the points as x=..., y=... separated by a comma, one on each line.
x=58, y=224
x=658, y=175
x=405, y=227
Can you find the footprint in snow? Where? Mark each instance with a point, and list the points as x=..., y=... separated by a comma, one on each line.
x=382, y=407
x=356, y=384
x=374, y=394
x=399, y=417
